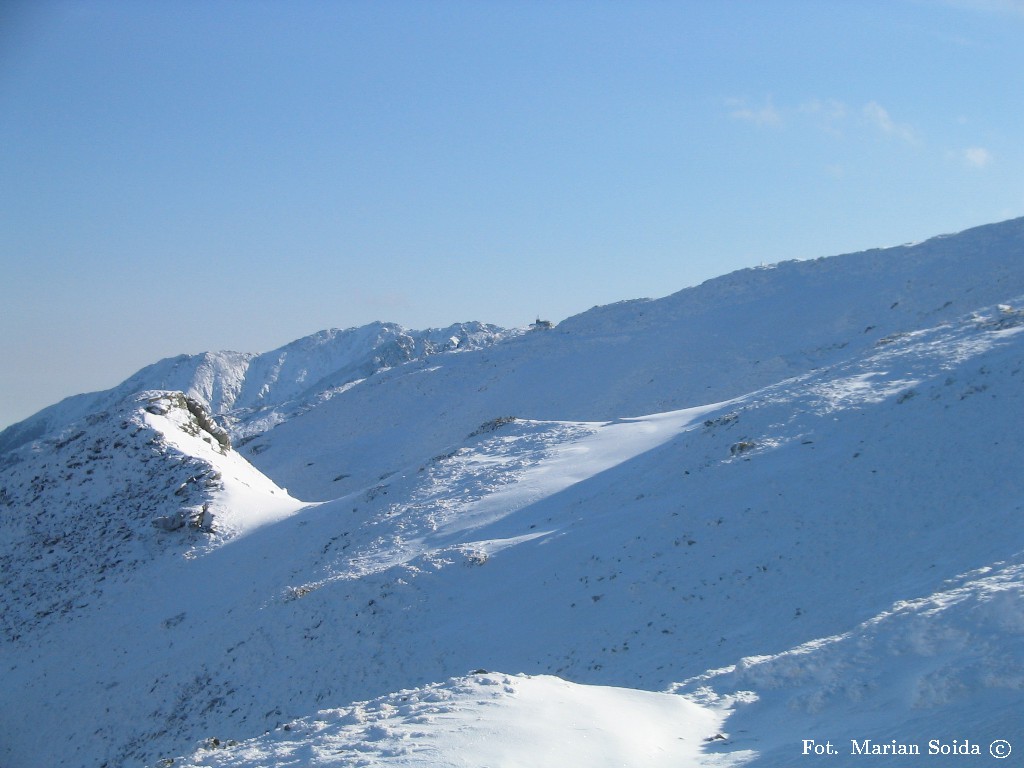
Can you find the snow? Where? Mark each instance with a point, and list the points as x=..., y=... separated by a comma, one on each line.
x=784, y=506
x=947, y=666
x=485, y=720
x=247, y=499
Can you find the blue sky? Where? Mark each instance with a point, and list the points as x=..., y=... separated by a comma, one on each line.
x=185, y=176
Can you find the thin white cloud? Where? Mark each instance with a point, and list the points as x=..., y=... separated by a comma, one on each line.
x=977, y=157
x=832, y=116
x=878, y=116
x=833, y=109
x=829, y=114
x=766, y=114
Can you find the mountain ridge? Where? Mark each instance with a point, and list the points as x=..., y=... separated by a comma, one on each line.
x=224, y=381
x=655, y=355
x=219, y=379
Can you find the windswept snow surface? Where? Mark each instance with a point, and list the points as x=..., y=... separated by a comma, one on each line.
x=939, y=671
x=746, y=535
x=487, y=720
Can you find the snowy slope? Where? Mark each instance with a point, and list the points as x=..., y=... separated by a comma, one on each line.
x=941, y=674
x=801, y=529
x=82, y=509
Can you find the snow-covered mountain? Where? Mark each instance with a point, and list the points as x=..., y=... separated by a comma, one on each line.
x=254, y=392
x=778, y=511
